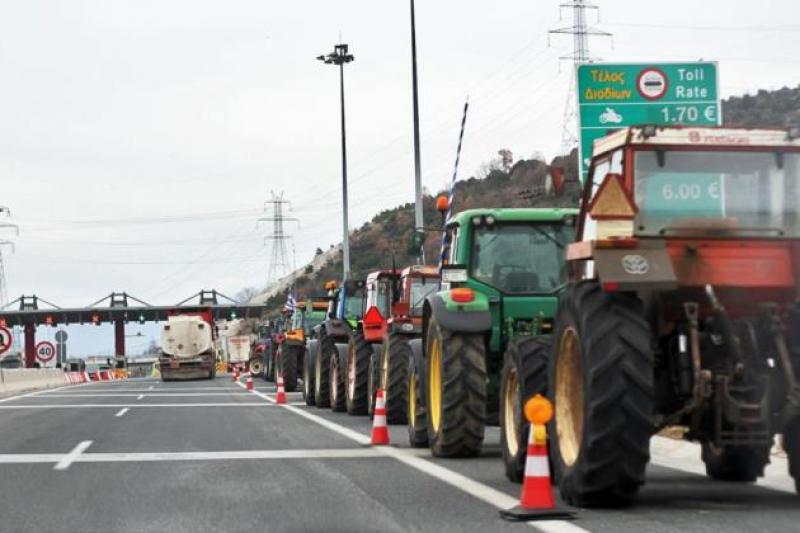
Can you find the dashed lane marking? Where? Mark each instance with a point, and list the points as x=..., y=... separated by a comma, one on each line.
x=72, y=456
x=493, y=497
x=122, y=411
x=140, y=397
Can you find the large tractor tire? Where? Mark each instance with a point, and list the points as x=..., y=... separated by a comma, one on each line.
x=255, y=366
x=359, y=352
x=416, y=415
x=322, y=374
x=308, y=373
x=524, y=375
x=288, y=366
x=338, y=378
x=373, y=378
x=455, y=382
x=743, y=464
x=269, y=371
x=601, y=378
x=791, y=445
x=395, y=354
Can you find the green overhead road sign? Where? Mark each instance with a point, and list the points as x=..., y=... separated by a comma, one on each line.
x=613, y=96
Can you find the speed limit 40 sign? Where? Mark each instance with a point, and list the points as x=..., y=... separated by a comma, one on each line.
x=45, y=351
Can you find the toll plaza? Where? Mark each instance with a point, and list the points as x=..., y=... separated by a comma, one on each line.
x=118, y=308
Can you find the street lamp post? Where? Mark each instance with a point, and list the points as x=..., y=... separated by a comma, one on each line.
x=339, y=57
x=418, y=220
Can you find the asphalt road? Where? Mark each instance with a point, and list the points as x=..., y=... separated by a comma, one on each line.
x=142, y=455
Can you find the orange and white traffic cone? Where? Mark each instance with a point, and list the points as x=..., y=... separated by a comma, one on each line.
x=280, y=396
x=235, y=374
x=380, y=432
x=249, y=383
x=536, y=500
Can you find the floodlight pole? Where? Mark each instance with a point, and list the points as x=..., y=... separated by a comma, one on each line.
x=339, y=57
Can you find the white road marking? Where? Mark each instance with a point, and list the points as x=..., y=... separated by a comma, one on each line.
x=63, y=461
x=72, y=456
x=122, y=411
x=151, y=387
x=140, y=397
x=493, y=497
x=119, y=405
x=685, y=456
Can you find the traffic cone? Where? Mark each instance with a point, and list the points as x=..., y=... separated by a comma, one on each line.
x=380, y=433
x=280, y=396
x=536, y=500
x=249, y=383
x=235, y=374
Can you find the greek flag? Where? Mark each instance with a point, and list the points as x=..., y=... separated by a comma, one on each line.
x=291, y=302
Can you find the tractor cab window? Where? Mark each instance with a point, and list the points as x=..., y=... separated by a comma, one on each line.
x=726, y=193
x=353, y=304
x=521, y=258
x=421, y=288
x=383, y=295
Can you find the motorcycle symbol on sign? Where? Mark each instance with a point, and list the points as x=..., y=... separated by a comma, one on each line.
x=609, y=116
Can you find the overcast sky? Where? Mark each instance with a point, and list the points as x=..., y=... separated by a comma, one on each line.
x=139, y=139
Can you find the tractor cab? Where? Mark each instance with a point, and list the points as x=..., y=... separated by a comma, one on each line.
x=417, y=282
x=347, y=302
x=378, y=301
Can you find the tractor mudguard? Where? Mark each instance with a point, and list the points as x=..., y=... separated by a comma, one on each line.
x=419, y=363
x=631, y=269
x=337, y=328
x=468, y=318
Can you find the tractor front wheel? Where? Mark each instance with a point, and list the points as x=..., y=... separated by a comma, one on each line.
x=322, y=361
x=373, y=378
x=524, y=375
x=744, y=464
x=359, y=352
x=417, y=419
x=455, y=382
x=288, y=366
x=394, y=366
x=602, y=381
x=337, y=382
x=308, y=373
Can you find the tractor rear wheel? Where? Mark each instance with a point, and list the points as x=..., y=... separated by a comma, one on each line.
x=322, y=361
x=308, y=373
x=791, y=445
x=602, y=380
x=524, y=374
x=744, y=464
x=417, y=419
x=455, y=382
x=289, y=366
x=337, y=382
x=269, y=371
x=359, y=352
x=394, y=380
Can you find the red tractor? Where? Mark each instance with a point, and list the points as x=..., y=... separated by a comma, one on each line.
x=682, y=308
x=379, y=351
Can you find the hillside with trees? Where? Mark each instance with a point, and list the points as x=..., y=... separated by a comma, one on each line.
x=502, y=182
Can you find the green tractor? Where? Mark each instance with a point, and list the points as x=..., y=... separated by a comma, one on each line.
x=502, y=273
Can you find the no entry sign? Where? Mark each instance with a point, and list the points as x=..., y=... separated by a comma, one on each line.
x=45, y=351
x=6, y=339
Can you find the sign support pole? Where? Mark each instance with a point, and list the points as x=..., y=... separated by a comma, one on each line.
x=119, y=338
x=30, y=345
